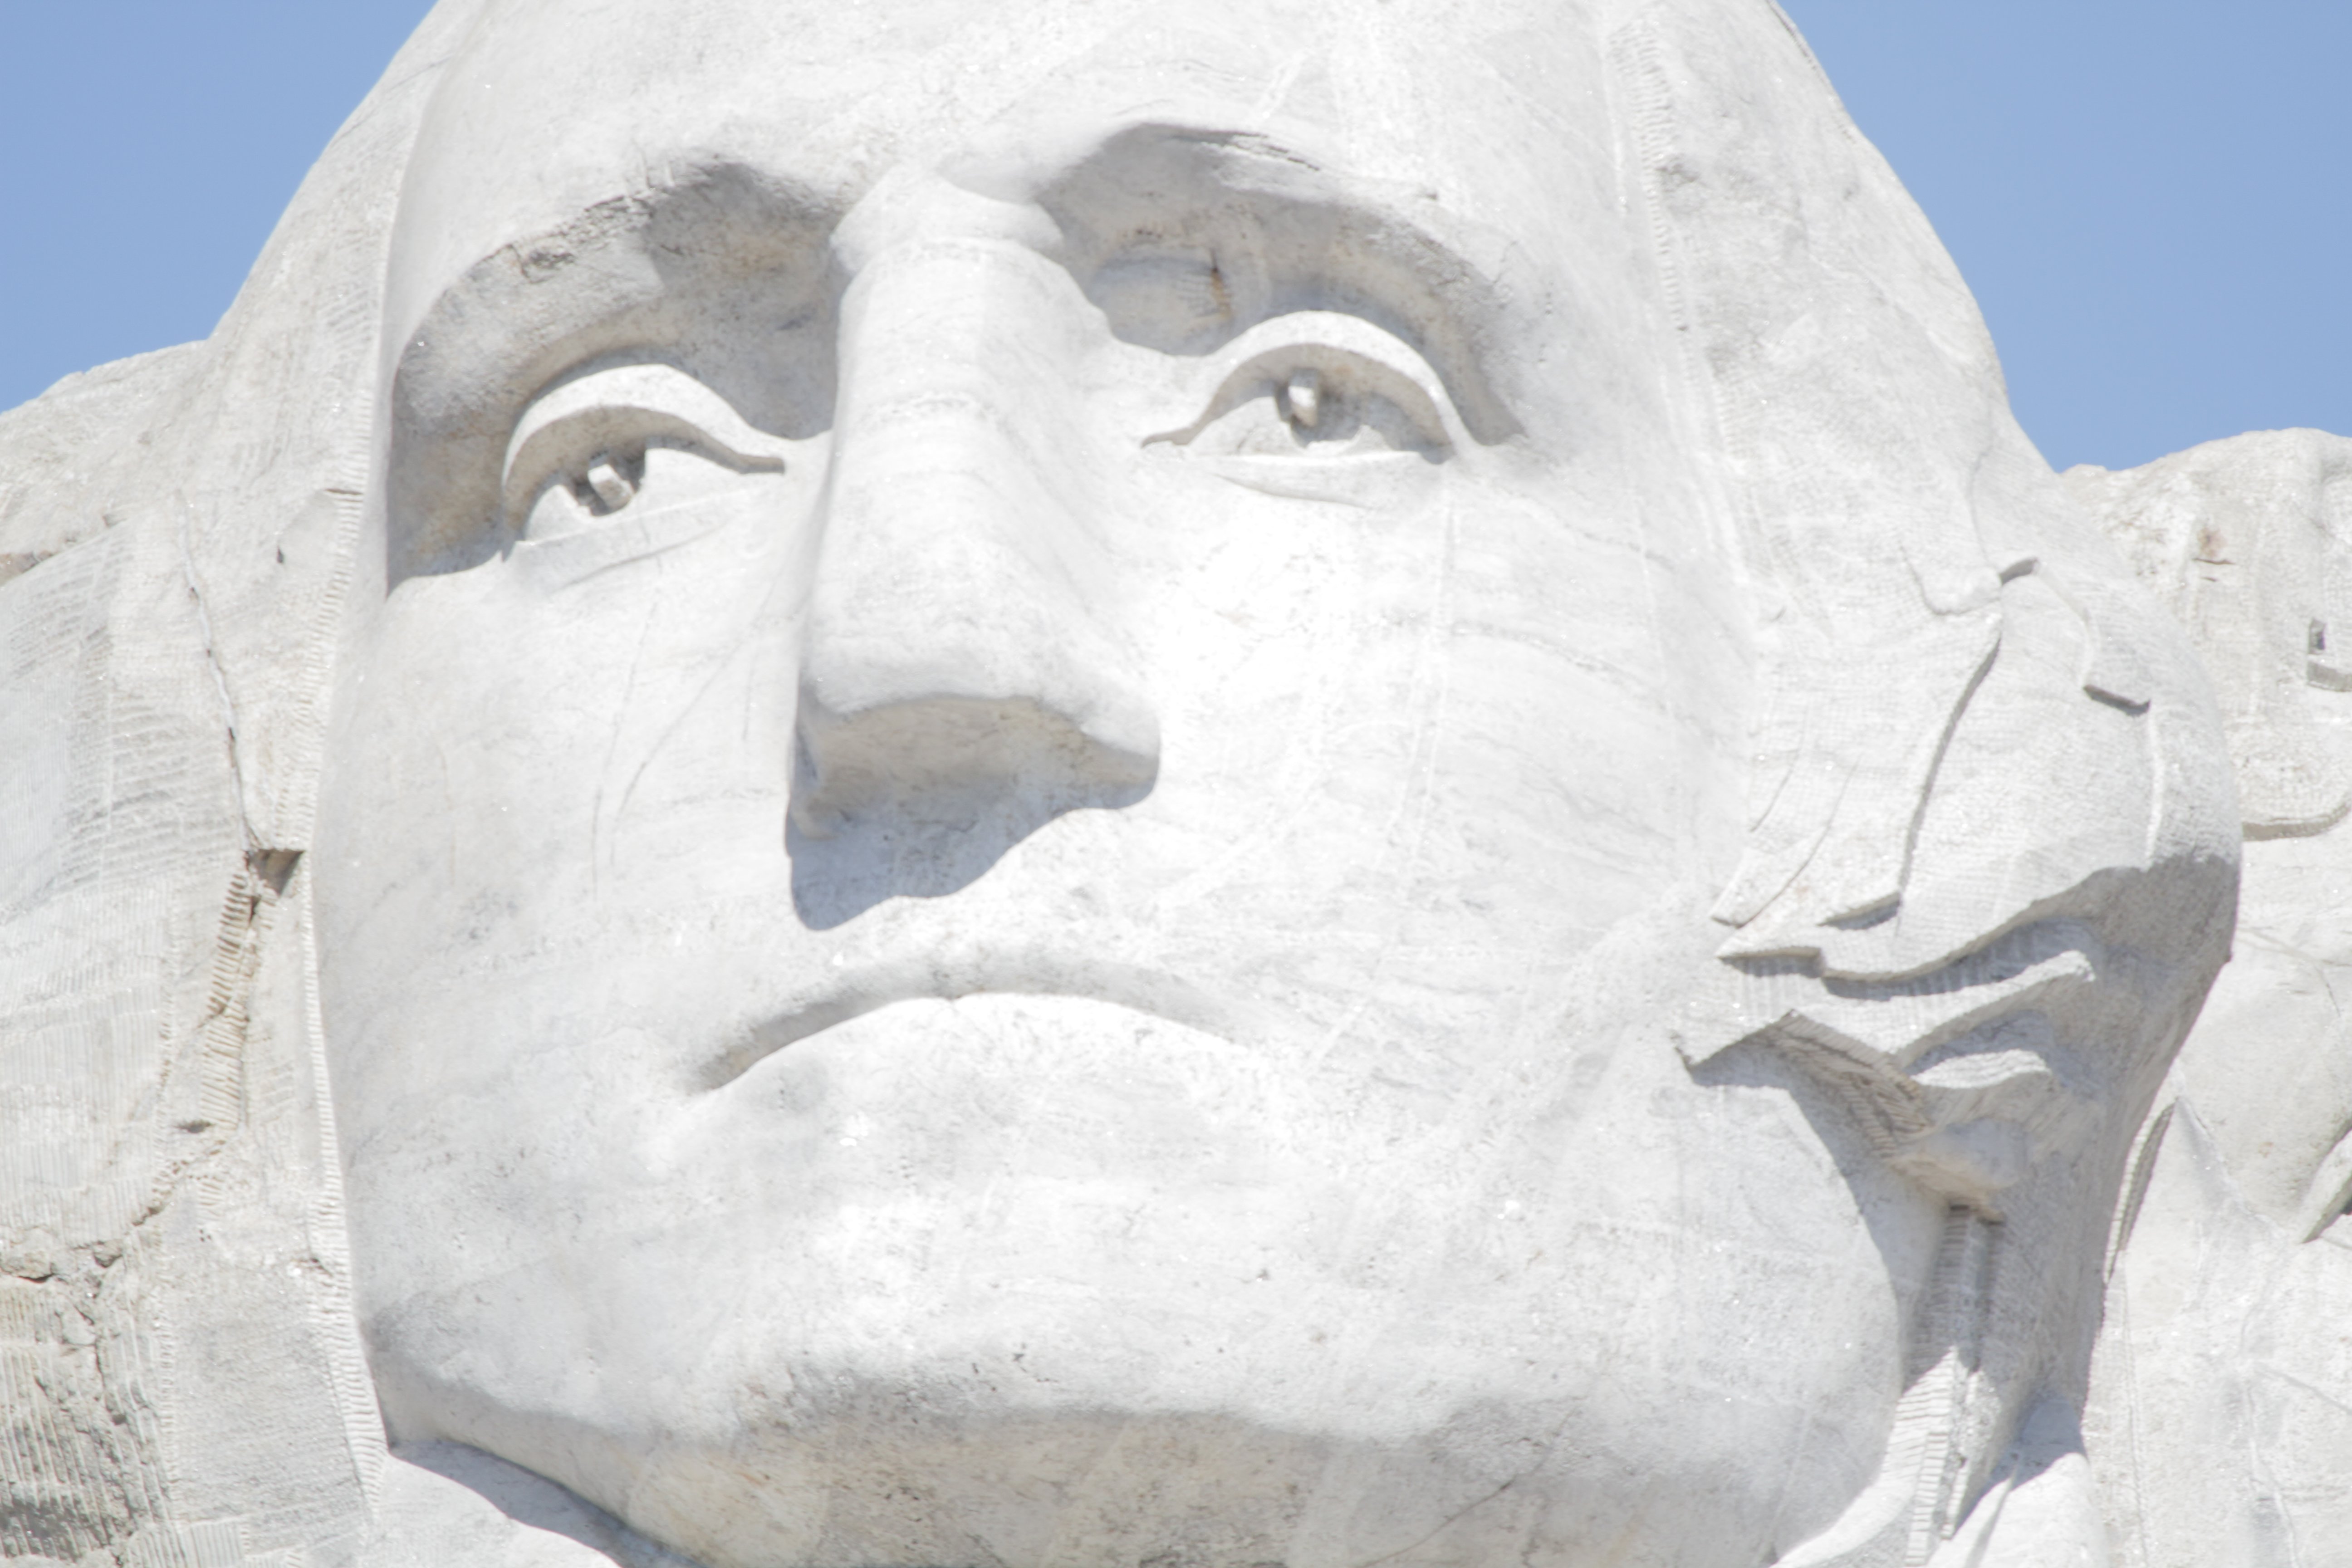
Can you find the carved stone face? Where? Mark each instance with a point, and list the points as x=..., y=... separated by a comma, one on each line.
x=1005, y=875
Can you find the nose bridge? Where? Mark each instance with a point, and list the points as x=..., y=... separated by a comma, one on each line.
x=961, y=623
x=956, y=324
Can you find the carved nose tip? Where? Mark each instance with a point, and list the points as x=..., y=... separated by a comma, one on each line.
x=939, y=759
x=953, y=665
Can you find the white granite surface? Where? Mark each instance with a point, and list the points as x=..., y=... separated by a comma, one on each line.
x=1187, y=786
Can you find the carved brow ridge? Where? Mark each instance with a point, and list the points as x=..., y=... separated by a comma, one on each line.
x=1433, y=292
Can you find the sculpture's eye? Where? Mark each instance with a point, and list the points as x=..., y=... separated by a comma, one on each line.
x=568, y=502
x=1321, y=384
x=624, y=439
x=1319, y=409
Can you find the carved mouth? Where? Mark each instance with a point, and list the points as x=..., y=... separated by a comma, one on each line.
x=1133, y=987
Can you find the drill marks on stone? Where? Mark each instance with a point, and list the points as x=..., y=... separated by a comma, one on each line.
x=60, y=1490
x=1941, y=1422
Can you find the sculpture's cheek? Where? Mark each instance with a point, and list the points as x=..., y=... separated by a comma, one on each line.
x=1064, y=1283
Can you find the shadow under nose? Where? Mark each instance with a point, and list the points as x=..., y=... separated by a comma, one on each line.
x=919, y=798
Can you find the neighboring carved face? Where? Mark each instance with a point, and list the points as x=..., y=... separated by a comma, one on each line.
x=2249, y=543
x=1004, y=875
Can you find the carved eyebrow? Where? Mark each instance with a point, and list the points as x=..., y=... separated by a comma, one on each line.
x=472, y=352
x=1289, y=234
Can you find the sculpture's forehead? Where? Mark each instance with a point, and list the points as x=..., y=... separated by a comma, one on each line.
x=552, y=108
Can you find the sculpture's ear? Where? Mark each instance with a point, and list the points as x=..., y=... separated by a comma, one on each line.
x=2249, y=543
x=1902, y=527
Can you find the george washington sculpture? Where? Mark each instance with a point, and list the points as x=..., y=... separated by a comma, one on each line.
x=1210, y=786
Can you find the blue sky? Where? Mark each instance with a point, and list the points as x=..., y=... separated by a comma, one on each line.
x=2150, y=199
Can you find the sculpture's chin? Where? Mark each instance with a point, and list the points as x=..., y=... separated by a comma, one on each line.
x=886, y=1475
x=1073, y=1488
x=1080, y=1487
x=1043, y=1280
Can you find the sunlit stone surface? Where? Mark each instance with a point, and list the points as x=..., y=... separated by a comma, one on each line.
x=2223, y=1398
x=1189, y=786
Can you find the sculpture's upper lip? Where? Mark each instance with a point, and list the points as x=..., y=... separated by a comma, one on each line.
x=870, y=988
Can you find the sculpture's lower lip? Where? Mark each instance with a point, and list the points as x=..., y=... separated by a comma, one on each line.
x=1135, y=986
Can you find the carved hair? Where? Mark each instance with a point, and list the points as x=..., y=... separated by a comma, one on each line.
x=1991, y=851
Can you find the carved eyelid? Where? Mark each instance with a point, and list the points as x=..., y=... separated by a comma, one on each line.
x=627, y=406
x=1346, y=348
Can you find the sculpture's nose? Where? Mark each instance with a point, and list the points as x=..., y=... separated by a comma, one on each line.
x=961, y=634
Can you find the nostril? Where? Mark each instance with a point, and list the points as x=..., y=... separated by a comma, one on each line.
x=943, y=761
